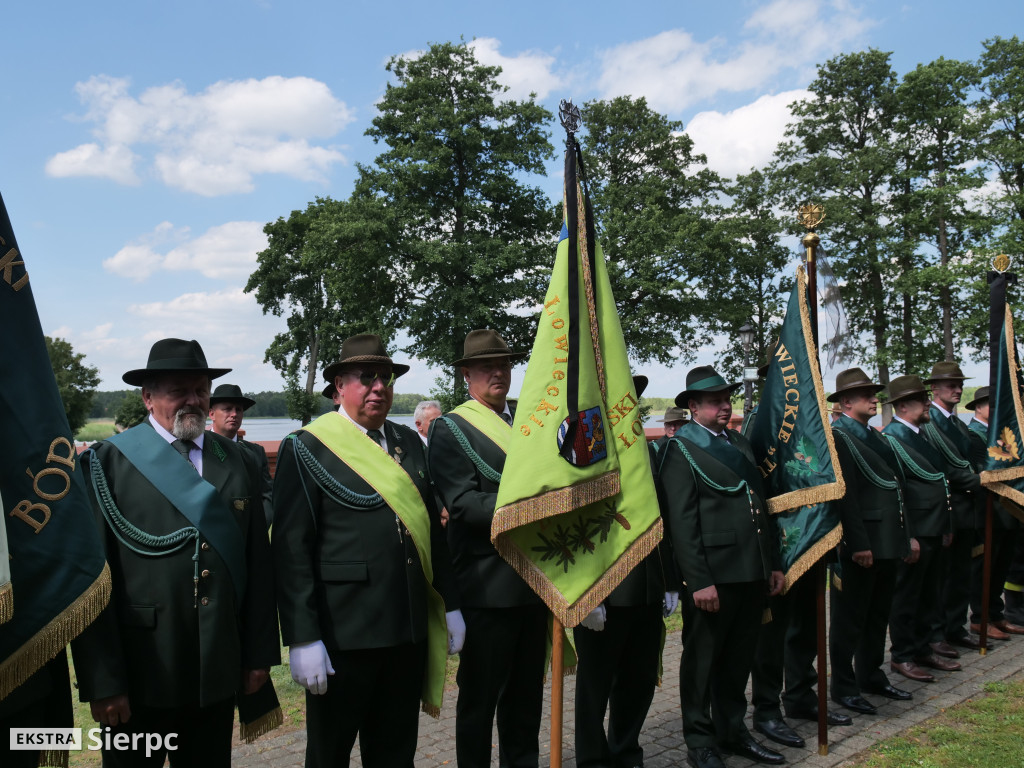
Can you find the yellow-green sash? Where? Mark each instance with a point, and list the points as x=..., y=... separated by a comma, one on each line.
x=353, y=448
x=487, y=421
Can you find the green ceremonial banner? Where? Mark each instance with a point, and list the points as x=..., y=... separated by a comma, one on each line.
x=6, y=592
x=793, y=444
x=1005, y=460
x=59, y=579
x=576, y=508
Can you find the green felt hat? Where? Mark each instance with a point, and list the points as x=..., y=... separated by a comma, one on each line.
x=173, y=356
x=703, y=380
x=231, y=393
x=363, y=348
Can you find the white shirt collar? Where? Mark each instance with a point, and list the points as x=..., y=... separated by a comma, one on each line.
x=945, y=413
x=716, y=434
x=383, y=440
x=917, y=430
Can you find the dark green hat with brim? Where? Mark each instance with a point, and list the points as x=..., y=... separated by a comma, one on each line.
x=850, y=380
x=703, y=380
x=673, y=414
x=363, y=348
x=980, y=396
x=903, y=387
x=484, y=344
x=173, y=356
x=329, y=391
x=231, y=393
x=640, y=384
x=945, y=371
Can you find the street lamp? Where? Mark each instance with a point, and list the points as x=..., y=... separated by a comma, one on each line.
x=749, y=372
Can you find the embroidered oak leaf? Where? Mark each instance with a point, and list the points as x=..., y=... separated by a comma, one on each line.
x=790, y=537
x=1006, y=447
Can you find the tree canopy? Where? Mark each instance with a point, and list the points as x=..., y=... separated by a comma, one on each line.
x=76, y=381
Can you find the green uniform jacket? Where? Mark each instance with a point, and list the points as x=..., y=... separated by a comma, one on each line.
x=717, y=537
x=484, y=579
x=927, y=505
x=349, y=576
x=266, y=481
x=156, y=641
x=872, y=517
x=1001, y=519
x=953, y=434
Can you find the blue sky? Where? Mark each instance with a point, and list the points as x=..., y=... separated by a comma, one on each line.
x=144, y=145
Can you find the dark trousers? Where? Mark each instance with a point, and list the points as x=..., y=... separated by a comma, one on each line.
x=1003, y=544
x=501, y=669
x=617, y=671
x=956, y=587
x=718, y=651
x=786, y=650
x=374, y=694
x=860, y=619
x=203, y=736
x=915, y=602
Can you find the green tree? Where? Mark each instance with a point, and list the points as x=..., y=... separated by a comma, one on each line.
x=841, y=153
x=472, y=237
x=132, y=410
x=324, y=269
x=651, y=195
x=939, y=137
x=76, y=381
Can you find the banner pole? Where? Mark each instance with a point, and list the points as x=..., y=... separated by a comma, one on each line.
x=986, y=579
x=557, y=679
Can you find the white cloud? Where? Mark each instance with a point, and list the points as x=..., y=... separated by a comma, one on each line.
x=674, y=71
x=210, y=143
x=528, y=72
x=744, y=138
x=224, y=252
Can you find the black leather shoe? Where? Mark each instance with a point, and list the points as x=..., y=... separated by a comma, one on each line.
x=857, y=704
x=704, y=757
x=832, y=718
x=752, y=749
x=779, y=732
x=891, y=692
x=967, y=641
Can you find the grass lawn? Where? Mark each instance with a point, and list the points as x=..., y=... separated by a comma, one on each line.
x=95, y=430
x=984, y=732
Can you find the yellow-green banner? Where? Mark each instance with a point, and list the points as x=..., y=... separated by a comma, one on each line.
x=576, y=508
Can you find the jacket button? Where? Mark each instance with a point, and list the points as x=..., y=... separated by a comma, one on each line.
x=205, y=573
x=409, y=561
x=205, y=546
x=205, y=601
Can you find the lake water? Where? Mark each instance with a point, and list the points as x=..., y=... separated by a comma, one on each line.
x=274, y=430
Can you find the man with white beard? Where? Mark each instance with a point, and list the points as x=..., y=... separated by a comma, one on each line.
x=191, y=622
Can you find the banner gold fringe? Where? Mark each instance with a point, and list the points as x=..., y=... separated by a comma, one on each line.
x=978, y=550
x=1010, y=499
x=991, y=476
x=249, y=732
x=6, y=602
x=55, y=758
x=812, y=555
x=571, y=615
x=837, y=582
x=55, y=636
x=829, y=491
x=766, y=616
x=554, y=502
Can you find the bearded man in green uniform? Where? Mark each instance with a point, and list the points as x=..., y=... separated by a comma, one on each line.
x=725, y=544
x=363, y=569
x=501, y=669
x=874, y=541
x=191, y=621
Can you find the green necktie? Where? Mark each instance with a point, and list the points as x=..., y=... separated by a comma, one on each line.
x=377, y=436
x=183, y=447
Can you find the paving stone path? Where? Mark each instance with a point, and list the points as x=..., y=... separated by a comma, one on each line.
x=662, y=739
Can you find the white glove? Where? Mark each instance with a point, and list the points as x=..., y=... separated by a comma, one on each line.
x=671, y=601
x=310, y=666
x=456, y=631
x=596, y=618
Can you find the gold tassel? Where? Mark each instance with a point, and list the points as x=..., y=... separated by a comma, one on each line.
x=766, y=616
x=556, y=502
x=56, y=635
x=813, y=555
x=431, y=709
x=55, y=758
x=978, y=550
x=6, y=602
x=837, y=582
x=249, y=732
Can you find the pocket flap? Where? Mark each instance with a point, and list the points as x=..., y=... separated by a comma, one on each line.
x=718, y=538
x=350, y=571
x=139, y=616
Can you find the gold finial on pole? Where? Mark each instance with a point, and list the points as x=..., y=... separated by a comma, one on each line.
x=810, y=216
x=1001, y=263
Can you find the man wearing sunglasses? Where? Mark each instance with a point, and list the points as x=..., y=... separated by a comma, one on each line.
x=365, y=576
x=501, y=668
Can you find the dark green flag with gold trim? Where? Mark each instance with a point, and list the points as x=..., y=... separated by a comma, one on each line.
x=1004, y=467
x=793, y=444
x=59, y=581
